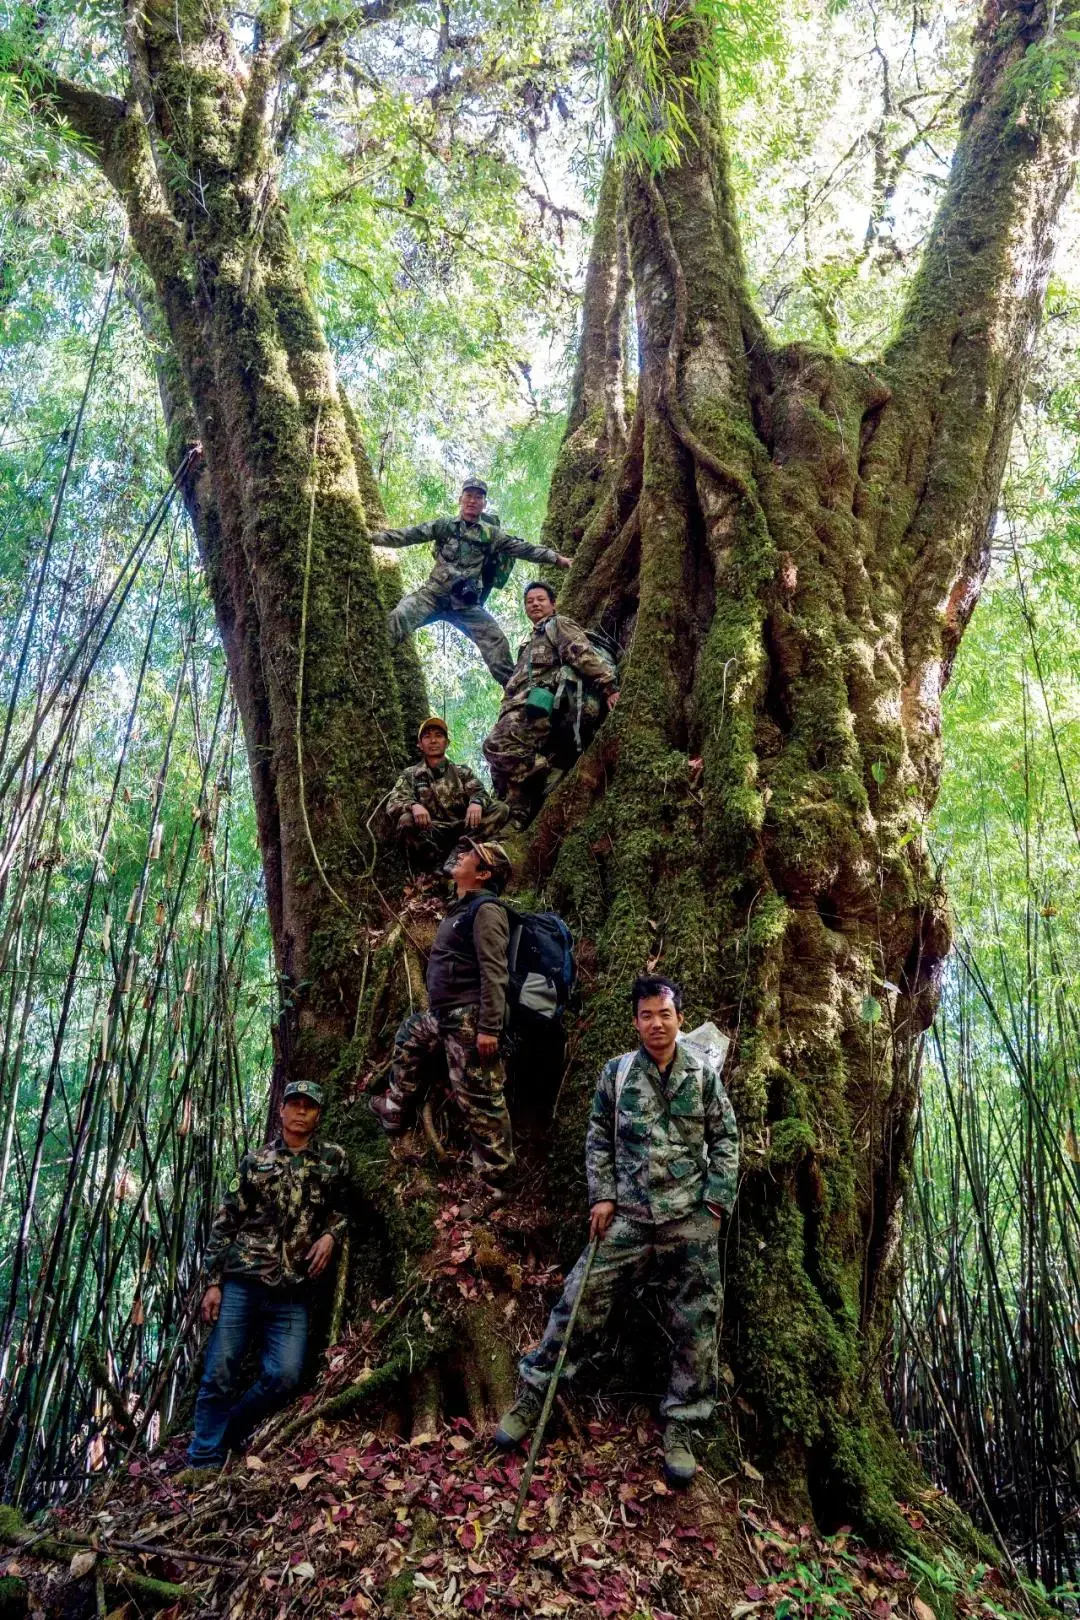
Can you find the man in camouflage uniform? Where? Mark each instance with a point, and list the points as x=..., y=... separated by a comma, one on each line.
x=455, y=588
x=467, y=976
x=434, y=804
x=518, y=748
x=282, y=1218
x=661, y=1156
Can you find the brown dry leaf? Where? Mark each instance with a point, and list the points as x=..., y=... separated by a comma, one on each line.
x=301, y=1481
x=256, y=1464
x=458, y=1442
x=923, y=1611
x=1072, y=1146
x=752, y=1473
x=82, y=1563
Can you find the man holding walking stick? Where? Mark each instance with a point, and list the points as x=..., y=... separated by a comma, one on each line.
x=661, y=1156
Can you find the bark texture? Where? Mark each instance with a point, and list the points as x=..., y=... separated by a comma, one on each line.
x=789, y=553
x=280, y=492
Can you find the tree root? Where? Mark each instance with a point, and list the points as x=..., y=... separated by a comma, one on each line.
x=118, y=1578
x=353, y=1396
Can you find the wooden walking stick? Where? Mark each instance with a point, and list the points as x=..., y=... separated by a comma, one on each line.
x=550, y=1392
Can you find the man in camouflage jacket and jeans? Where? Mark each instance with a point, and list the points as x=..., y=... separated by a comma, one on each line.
x=281, y=1221
x=661, y=1156
x=454, y=588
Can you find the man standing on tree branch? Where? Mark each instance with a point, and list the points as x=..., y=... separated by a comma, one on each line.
x=661, y=1156
x=281, y=1221
x=467, y=976
x=472, y=555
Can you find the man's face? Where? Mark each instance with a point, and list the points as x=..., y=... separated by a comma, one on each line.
x=433, y=745
x=471, y=504
x=657, y=1023
x=300, y=1115
x=538, y=606
x=465, y=866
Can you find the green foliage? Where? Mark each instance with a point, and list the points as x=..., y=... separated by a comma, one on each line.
x=661, y=62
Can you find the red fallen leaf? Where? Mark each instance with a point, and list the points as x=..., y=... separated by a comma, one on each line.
x=881, y=1608
x=473, y=1600
x=756, y=1594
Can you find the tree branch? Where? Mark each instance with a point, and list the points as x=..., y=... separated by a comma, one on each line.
x=92, y=115
x=976, y=302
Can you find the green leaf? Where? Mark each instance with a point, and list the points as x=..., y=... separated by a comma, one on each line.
x=878, y=772
x=870, y=1010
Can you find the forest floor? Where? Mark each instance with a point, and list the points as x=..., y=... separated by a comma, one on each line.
x=353, y=1522
x=337, y=1516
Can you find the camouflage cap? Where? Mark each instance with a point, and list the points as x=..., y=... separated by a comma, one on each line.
x=305, y=1088
x=434, y=722
x=474, y=483
x=493, y=856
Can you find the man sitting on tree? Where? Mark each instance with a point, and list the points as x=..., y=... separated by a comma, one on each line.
x=523, y=738
x=467, y=976
x=434, y=804
x=471, y=554
x=274, y=1234
x=661, y=1157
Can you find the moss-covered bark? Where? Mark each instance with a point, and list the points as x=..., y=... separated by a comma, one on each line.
x=276, y=481
x=798, y=542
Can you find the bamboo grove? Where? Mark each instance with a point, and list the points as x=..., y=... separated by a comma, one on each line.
x=132, y=954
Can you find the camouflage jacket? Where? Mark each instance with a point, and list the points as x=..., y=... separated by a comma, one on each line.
x=445, y=792
x=670, y=1147
x=556, y=642
x=277, y=1205
x=461, y=548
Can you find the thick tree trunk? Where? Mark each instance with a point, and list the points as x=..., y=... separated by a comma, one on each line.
x=789, y=546
x=280, y=492
x=791, y=551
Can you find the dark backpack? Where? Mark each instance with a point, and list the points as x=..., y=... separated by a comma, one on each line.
x=541, y=965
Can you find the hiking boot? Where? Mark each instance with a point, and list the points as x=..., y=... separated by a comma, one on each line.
x=486, y=1198
x=388, y=1113
x=680, y=1465
x=521, y=1419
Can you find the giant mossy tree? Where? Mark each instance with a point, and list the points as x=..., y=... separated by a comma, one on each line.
x=788, y=546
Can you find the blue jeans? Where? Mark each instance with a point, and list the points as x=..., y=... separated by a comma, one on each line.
x=279, y=1317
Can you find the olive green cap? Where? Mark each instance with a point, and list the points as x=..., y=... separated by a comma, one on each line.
x=305, y=1088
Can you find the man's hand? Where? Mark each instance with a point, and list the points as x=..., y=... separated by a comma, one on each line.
x=421, y=817
x=564, y=562
x=318, y=1256
x=612, y=699
x=474, y=815
x=211, y=1304
x=600, y=1218
x=487, y=1045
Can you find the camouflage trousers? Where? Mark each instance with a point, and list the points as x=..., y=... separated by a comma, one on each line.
x=428, y=847
x=478, y=1084
x=687, y=1256
x=515, y=750
x=429, y=604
